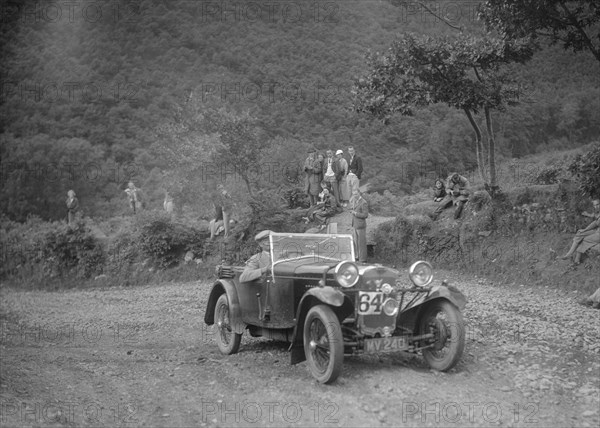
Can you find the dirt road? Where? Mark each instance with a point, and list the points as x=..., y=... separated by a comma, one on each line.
x=143, y=357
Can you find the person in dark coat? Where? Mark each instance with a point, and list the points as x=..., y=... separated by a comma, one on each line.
x=355, y=170
x=308, y=170
x=310, y=213
x=328, y=209
x=314, y=178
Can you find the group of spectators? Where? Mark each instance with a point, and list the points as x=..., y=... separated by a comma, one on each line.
x=455, y=191
x=341, y=175
x=133, y=197
x=332, y=183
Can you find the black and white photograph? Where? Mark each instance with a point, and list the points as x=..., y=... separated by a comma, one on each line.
x=299, y=213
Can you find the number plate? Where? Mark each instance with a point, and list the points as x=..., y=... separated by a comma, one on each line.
x=370, y=303
x=386, y=344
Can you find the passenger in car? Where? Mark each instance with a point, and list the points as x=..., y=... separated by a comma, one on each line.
x=259, y=264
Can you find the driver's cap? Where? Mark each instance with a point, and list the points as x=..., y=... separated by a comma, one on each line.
x=262, y=235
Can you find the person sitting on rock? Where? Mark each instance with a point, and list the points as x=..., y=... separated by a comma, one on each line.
x=593, y=300
x=328, y=209
x=439, y=190
x=457, y=193
x=312, y=210
x=587, y=238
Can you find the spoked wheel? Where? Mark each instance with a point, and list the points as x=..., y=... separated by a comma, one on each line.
x=445, y=322
x=227, y=340
x=323, y=343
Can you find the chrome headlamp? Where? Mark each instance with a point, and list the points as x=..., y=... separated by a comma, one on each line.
x=346, y=274
x=390, y=307
x=421, y=273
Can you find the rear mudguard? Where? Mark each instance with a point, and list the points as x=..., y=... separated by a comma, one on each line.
x=235, y=311
x=341, y=305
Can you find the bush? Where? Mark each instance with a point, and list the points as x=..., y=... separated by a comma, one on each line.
x=35, y=252
x=72, y=249
x=395, y=238
x=586, y=169
x=385, y=204
x=122, y=254
x=164, y=241
x=549, y=175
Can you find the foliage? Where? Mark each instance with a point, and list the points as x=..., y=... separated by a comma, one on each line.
x=396, y=239
x=44, y=250
x=573, y=23
x=164, y=241
x=586, y=168
x=296, y=198
x=462, y=72
x=159, y=68
x=72, y=247
x=549, y=175
x=386, y=204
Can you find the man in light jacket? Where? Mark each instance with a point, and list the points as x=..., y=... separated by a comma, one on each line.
x=360, y=212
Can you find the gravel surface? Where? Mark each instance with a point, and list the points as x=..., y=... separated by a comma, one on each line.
x=143, y=357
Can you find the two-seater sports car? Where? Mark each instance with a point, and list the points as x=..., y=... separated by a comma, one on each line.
x=317, y=298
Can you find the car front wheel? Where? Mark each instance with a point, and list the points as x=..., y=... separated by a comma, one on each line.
x=323, y=343
x=445, y=322
x=227, y=340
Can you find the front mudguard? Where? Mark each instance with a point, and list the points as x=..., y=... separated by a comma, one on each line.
x=408, y=318
x=338, y=301
x=450, y=293
x=226, y=286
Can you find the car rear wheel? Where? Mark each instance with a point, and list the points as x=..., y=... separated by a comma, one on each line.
x=445, y=322
x=323, y=343
x=227, y=340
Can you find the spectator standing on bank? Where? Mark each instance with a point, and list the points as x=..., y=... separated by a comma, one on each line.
x=133, y=195
x=360, y=212
x=308, y=171
x=343, y=181
x=330, y=175
x=226, y=203
x=72, y=206
x=314, y=179
x=168, y=203
x=355, y=167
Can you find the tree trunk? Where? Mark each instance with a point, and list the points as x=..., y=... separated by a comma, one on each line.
x=491, y=151
x=478, y=147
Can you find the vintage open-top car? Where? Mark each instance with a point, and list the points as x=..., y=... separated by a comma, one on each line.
x=317, y=298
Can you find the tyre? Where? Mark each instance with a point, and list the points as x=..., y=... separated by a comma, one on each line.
x=448, y=327
x=323, y=343
x=227, y=340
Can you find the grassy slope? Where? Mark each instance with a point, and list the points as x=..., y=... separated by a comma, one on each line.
x=514, y=247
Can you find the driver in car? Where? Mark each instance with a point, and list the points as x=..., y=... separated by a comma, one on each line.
x=258, y=264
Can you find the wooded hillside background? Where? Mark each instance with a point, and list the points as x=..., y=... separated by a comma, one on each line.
x=98, y=93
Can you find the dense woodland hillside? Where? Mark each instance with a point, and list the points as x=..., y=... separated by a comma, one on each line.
x=85, y=104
